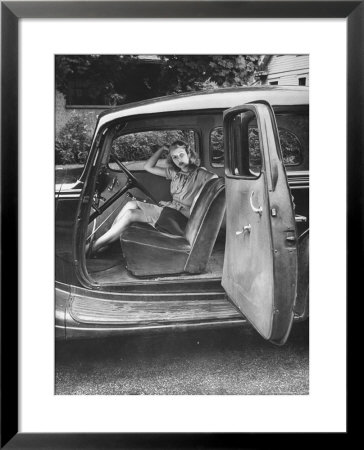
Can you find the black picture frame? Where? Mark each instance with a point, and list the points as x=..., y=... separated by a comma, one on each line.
x=11, y=12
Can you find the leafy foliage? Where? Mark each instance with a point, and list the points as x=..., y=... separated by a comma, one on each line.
x=290, y=145
x=106, y=79
x=217, y=146
x=73, y=142
x=181, y=73
x=117, y=79
x=141, y=146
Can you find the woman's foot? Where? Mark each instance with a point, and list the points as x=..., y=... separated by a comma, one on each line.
x=89, y=248
x=92, y=250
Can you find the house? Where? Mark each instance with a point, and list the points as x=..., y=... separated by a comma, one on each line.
x=283, y=70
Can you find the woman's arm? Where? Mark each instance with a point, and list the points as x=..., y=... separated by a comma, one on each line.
x=150, y=164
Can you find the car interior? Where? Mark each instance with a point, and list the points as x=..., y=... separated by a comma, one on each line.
x=144, y=253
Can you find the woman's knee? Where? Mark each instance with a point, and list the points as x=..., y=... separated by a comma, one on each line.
x=127, y=207
x=133, y=215
x=128, y=215
x=132, y=204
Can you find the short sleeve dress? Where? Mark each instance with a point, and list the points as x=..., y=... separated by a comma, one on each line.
x=184, y=188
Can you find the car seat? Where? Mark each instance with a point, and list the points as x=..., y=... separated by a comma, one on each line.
x=151, y=252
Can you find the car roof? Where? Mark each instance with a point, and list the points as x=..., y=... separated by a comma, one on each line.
x=211, y=99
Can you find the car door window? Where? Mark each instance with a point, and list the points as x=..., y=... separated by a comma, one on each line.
x=245, y=152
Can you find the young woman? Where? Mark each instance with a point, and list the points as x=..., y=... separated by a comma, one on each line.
x=187, y=179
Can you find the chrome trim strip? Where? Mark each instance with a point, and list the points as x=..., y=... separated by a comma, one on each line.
x=74, y=295
x=62, y=286
x=65, y=195
x=138, y=294
x=156, y=281
x=138, y=328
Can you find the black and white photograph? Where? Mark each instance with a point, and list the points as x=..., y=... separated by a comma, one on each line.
x=181, y=224
x=162, y=163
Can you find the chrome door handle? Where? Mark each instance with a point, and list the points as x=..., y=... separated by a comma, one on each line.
x=258, y=210
x=246, y=228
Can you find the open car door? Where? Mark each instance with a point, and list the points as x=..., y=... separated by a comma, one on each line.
x=260, y=265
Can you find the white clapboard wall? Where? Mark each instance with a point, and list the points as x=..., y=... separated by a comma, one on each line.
x=287, y=70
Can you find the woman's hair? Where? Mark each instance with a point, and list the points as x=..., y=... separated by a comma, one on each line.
x=194, y=160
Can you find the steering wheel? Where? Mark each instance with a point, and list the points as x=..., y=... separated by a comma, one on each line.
x=132, y=182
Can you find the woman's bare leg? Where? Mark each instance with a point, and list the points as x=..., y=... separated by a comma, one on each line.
x=130, y=205
x=104, y=240
x=128, y=217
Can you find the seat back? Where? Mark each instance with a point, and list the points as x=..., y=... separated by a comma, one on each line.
x=204, y=224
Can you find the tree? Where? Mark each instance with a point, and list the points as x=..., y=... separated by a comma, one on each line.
x=103, y=77
x=183, y=73
x=73, y=142
x=117, y=79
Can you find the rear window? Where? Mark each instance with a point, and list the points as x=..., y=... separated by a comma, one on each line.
x=293, y=135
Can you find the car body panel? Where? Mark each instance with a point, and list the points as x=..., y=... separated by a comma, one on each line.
x=62, y=295
x=260, y=266
x=112, y=313
x=301, y=308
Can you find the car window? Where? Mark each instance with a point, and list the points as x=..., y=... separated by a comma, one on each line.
x=293, y=135
x=134, y=149
x=255, y=158
x=245, y=151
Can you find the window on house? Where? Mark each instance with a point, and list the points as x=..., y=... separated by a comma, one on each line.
x=302, y=81
x=273, y=83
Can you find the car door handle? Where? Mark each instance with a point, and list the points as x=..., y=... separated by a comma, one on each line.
x=246, y=228
x=258, y=210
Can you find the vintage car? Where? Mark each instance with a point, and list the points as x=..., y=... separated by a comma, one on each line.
x=243, y=257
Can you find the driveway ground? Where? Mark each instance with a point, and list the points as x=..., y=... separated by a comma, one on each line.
x=225, y=361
